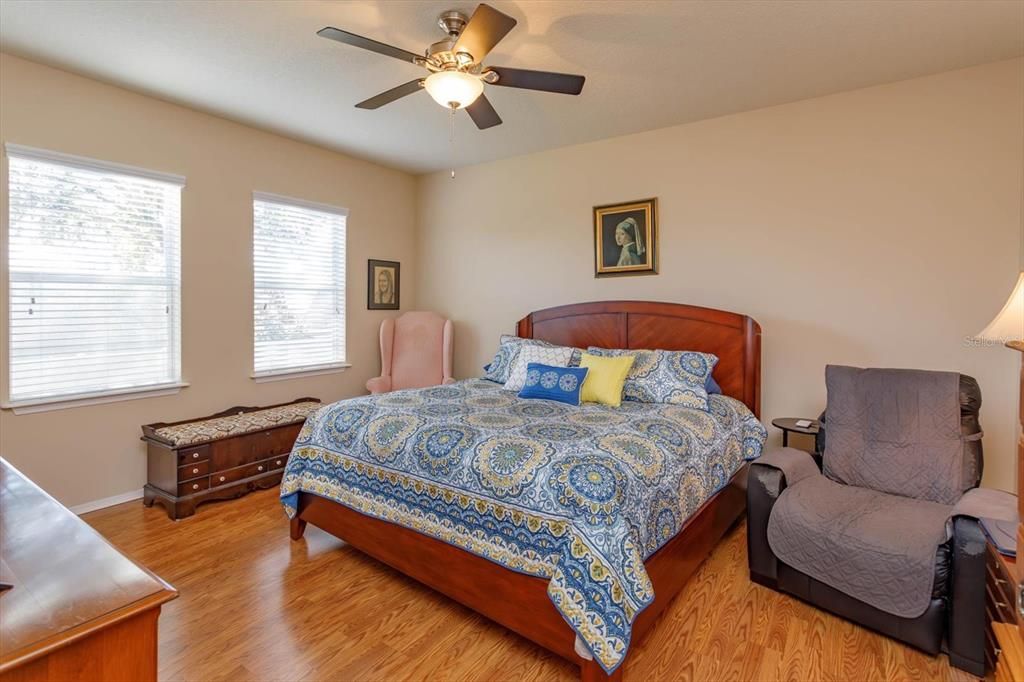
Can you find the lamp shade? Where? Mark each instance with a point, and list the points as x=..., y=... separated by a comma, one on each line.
x=453, y=88
x=1008, y=327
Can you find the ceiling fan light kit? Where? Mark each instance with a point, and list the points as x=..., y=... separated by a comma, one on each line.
x=453, y=89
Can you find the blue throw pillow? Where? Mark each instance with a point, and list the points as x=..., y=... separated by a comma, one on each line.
x=554, y=383
x=712, y=386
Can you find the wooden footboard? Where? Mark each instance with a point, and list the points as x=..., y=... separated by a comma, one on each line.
x=515, y=600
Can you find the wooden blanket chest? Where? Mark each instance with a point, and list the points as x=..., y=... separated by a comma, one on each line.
x=223, y=456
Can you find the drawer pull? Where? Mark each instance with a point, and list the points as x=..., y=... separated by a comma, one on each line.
x=1001, y=604
x=195, y=455
x=260, y=468
x=277, y=463
x=195, y=486
x=222, y=479
x=196, y=470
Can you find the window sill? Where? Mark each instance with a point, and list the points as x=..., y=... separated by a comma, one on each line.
x=300, y=373
x=83, y=400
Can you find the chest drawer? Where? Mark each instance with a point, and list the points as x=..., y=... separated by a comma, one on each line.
x=193, y=486
x=196, y=470
x=238, y=473
x=193, y=454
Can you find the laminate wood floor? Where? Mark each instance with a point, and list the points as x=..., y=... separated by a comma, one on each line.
x=254, y=605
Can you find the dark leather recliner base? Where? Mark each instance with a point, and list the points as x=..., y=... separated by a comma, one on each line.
x=955, y=619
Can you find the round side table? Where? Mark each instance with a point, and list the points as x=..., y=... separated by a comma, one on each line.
x=788, y=425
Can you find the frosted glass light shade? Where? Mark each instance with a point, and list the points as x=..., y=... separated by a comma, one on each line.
x=1008, y=327
x=453, y=88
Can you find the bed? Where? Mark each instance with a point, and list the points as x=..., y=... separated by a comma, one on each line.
x=573, y=526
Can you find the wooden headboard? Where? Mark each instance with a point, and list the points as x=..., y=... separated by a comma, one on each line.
x=734, y=338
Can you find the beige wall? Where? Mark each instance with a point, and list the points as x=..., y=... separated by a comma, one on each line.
x=875, y=227
x=878, y=227
x=87, y=453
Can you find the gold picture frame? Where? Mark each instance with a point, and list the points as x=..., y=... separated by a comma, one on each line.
x=626, y=238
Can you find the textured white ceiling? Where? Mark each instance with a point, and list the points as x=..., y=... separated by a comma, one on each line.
x=648, y=64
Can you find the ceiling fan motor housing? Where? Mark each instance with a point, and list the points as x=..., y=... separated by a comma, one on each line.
x=452, y=22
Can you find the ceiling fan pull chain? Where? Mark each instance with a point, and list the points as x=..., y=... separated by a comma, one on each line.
x=451, y=136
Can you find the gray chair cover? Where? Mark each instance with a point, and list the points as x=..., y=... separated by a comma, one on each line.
x=897, y=431
x=895, y=463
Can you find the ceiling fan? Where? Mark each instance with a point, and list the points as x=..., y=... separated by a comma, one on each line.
x=457, y=74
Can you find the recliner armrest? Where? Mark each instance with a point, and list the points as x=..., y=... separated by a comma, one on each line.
x=794, y=464
x=764, y=485
x=966, y=628
x=989, y=503
x=967, y=618
x=769, y=475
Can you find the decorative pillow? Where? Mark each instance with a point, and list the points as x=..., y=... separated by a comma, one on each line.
x=663, y=376
x=508, y=347
x=712, y=386
x=606, y=378
x=554, y=383
x=498, y=368
x=556, y=356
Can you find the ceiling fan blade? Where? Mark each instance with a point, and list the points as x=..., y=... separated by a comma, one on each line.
x=337, y=34
x=564, y=83
x=483, y=114
x=485, y=29
x=391, y=95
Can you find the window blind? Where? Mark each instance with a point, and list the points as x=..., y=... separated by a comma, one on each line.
x=95, y=277
x=299, y=285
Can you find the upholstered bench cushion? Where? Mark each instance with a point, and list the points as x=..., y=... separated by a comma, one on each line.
x=205, y=430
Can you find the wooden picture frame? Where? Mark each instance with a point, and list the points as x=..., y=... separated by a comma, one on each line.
x=626, y=238
x=383, y=284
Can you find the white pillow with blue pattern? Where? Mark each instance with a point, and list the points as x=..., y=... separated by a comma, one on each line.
x=508, y=348
x=554, y=356
x=664, y=376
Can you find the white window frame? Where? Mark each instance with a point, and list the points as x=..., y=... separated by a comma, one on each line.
x=65, y=401
x=306, y=370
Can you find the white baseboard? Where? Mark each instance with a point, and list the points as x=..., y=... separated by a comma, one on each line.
x=107, y=502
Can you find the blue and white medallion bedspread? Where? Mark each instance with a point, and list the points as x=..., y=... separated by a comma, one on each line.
x=578, y=495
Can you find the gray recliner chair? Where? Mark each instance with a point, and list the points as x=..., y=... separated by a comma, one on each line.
x=886, y=534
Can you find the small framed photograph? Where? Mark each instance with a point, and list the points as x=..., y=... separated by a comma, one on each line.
x=383, y=284
x=626, y=238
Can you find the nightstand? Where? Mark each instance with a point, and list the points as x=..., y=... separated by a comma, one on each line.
x=1004, y=649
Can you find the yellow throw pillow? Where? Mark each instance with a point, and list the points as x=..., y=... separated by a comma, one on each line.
x=605, y=379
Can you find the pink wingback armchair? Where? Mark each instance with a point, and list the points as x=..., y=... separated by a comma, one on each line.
x=415, y=351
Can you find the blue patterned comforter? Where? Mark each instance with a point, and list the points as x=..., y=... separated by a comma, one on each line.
x=578, y=495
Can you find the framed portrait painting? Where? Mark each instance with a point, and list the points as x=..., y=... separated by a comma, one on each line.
x=626, y=239
x=383, y=284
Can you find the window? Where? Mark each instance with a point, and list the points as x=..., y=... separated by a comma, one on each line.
x=299, y=286
x=94, y=267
